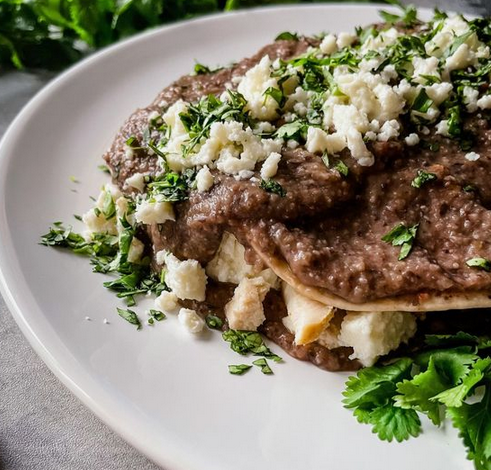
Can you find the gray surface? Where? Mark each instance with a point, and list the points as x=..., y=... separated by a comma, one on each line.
x=42, y=426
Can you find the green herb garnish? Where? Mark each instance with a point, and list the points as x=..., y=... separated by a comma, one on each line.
x=244, y=342
x=130, y=316
x=263, y=364
x=422, y=178
x=214, y=322
x=238, y=369
x=287, y=36
x=402, y=236
x=272, y=186
x=481, y=263
x=157, y=315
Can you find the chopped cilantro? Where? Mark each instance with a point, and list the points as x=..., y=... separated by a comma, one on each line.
x=287, y=36
x=172, y=187
x=272, y=186
x=244, y=342
x=132, y=141
x=422, y=178
x=295, y=130
x=409, y=14
x=130, y=316
x=200, y=69
x=238, y=369
x=104, y=168
x=342, y=168
x=481, y=263
x=422, y=103
x=402, y=236
x=214, y=322
x=277, y=95
x=263, y=364
x=157, y=315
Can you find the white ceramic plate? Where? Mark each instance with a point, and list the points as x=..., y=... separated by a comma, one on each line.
x=167, y=393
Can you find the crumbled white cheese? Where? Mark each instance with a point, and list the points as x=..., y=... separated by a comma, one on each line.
x=412, y=140
x=358, y=148
x=374, y=334
x=328, y=44
x=308, y=318
x=255, y=82
x=204, y=179
x=345, y=40
x=471, y=96
x=381, y=41
x=154, y=212
x=484, y=102
x=166, y=302
x=178, y=135
x=460, y=59
x=136, y=250
x=370, y=334
x=190, y=320
x=442, y=128
x=428, y=67
x=270, y=165
x=319, y=141
x=472, y=156
x=448, y=29
x=228, y=264
x=187, y=279
x=245, y=309
x=389, y=130
x=95, y=222
x=136, y=181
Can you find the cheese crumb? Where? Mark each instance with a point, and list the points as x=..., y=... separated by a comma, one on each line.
x=204, y=179
x=328, y=44
x=484, y=102
x=149, y=212
x=166, y=302
x=412, y=140
x=187, y=279
x=442, y=128
x=270, y=165
x=472, y=156
x=190, y=320
x=245, y=309
x=136, y=181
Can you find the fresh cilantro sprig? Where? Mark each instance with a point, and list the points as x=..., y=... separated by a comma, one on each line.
x=436, y=382
x=245, y=342
x=272, y=186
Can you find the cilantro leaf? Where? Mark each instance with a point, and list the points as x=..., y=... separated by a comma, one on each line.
x=422, y=178
x=390, y=422
x=287, y=36
x=272, y=186
x=214, y=322
x=481, y=263
x=263, y=364
x=402, y=236
x=474, y=425
x=244, y=342
x=130, y=316
x=239, y=369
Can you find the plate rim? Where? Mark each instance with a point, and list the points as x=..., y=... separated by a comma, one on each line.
x=71, y=377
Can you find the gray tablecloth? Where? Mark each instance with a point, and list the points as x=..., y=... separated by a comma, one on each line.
x=42, y=426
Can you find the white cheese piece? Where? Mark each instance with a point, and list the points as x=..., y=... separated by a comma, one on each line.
x=228, y=264
x=154, y=212
x=308, y=317
x=428, y=67
x=136, y=250
x=122, y=209
x=345, y=40
x=412, y=140
x=442, y=128
x=374, y=334
x=190, y=320
x=359, y=149
x=471, y=96
x=245, y=309
x=472, y=156
x=389, y=130
x=270, y=166
x=136, y=181
x=166, y=302
x=460, y=59
x=438, y=92
x=204, y=179
x=319, y=141
x=178, y=136
x=255, y=82
x=484, y=102
x=97, y=223
x=381, y=41
x=187, y=279
x=328, y=44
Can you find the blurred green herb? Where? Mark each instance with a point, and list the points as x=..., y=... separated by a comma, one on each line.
x=52, y=34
